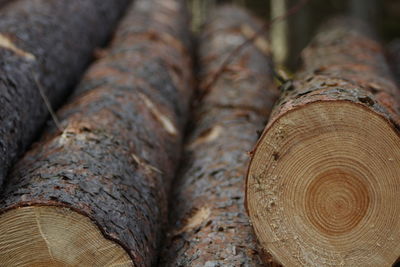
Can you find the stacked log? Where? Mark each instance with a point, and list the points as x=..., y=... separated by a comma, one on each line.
x=209, y=226
x=96, y=194
x=44, y=46
x=323, y=182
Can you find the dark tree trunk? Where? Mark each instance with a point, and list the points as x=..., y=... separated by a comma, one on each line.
x=209, y=226
x=323, y=179
x=115, y=159
x=394, y=58
x=3, y=2
x=53, y=41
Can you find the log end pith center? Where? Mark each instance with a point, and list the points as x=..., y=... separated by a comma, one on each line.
x=336, y=201
x=55, y=236
x=322, y=187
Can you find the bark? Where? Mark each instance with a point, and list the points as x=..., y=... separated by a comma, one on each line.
x=208, y=224
x=343, y=62
x=39, y=38
x=121, y=144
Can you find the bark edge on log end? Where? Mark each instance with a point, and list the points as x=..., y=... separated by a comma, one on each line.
x=58, y=234
x=312, y=192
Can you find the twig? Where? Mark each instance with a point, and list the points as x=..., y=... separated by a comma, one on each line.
x=47, y=102
x=293, y=10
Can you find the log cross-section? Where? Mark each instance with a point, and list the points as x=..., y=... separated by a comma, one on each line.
x=96, y=193
x=324, y=181
x=209, y=226
x=44, y=45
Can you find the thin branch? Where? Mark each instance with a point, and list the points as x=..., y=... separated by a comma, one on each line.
x=47, y=102
x=293, y=10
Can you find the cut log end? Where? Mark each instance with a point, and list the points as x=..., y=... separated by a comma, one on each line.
x=323, y=185
x=55, y=236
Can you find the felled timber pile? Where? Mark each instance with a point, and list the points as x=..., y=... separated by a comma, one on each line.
x=209, y=226
x=96, y=194
x=323, y=182
x=43, y=49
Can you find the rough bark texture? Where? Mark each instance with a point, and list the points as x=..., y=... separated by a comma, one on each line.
x=209, y=226
x=121, y=144
x=344, y=62
x=394, y=58
x=52, y=41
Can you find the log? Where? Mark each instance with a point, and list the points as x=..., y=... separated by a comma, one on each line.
x=323, y=182
x=44, y=45
x=96, y=193
x=208, y=223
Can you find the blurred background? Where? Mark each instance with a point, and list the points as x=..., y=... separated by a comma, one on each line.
x=290, y=36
